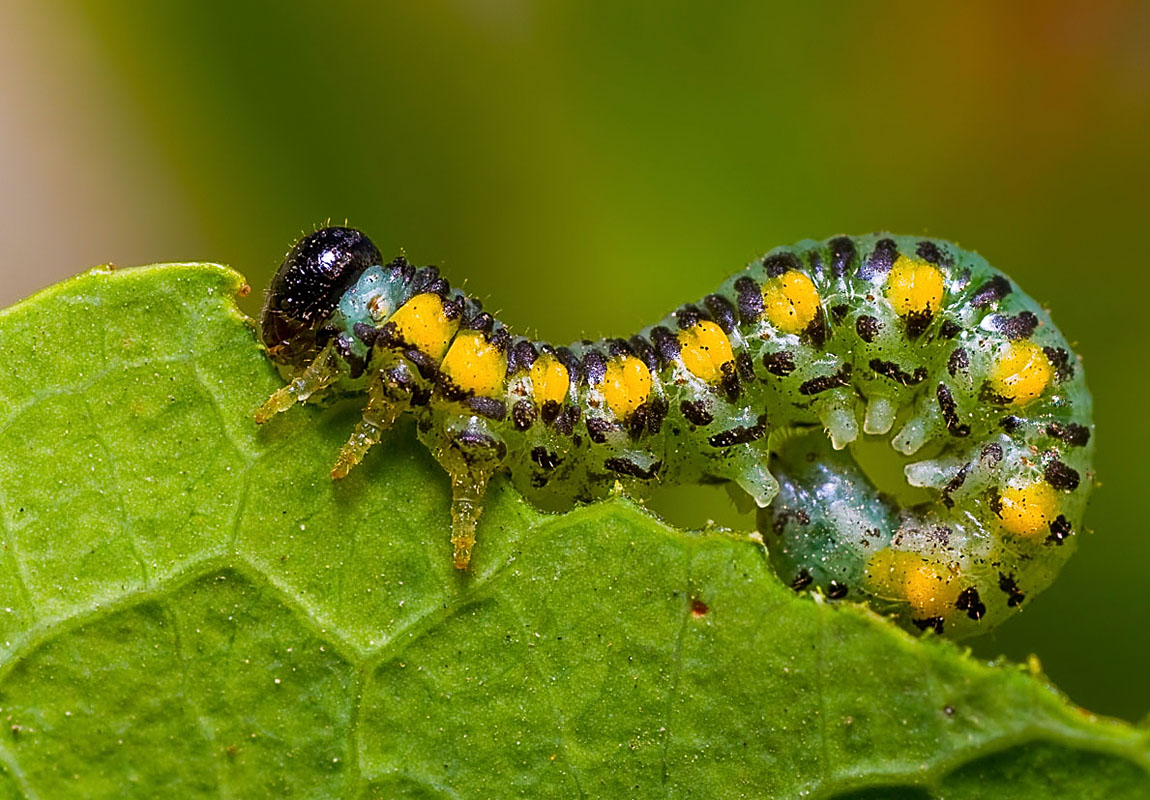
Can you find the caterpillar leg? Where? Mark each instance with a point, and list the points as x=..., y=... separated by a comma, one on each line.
x=467, y=490
x=746, y=465
x=837, y=415
x=388, y=396
x=471, y=457
x=318, y=375
x=880, y=415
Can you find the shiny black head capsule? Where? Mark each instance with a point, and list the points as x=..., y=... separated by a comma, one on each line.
x=307, y=287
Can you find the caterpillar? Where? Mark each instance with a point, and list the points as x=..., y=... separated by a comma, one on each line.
x=795, y=382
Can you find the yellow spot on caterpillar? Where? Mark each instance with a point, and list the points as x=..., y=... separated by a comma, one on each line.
x=704, y=349
x=901, y=575
x=550, y=380
x=422, y=324
x=929, y=592
x=790, y=301
x=1022, y=374
x=1028, y=510
x=475, y=365
x=886, y=571
x=913, y=287
x=626, y=384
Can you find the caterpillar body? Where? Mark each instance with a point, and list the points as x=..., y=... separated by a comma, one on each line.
x=780, y=382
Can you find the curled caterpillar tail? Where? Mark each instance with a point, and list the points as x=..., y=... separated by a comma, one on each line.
x=915, y=429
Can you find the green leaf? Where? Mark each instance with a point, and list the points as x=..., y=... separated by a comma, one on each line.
x=190, y=606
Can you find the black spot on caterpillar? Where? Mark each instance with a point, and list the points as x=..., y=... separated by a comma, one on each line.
x=826, y=344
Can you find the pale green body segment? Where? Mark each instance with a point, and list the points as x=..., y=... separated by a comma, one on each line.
x=875, y=338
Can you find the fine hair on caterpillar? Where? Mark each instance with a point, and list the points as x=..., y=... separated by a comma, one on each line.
x=777, y=382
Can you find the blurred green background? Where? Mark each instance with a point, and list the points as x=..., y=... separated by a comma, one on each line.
x=587, y=167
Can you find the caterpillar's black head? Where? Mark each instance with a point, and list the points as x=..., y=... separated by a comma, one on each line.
x=307, y=287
